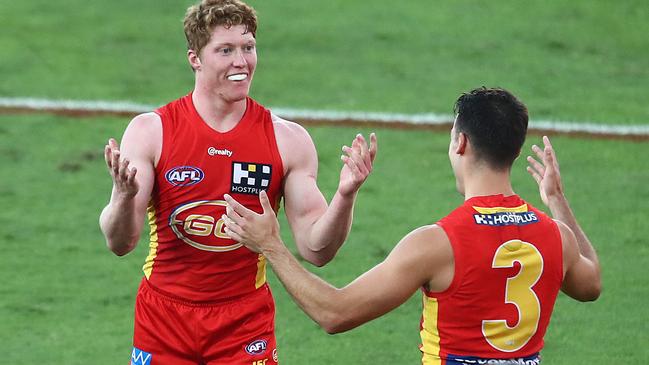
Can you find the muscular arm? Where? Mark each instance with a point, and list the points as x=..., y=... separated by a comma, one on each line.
x=582, y=278
x=319, y=229
x=423, y=257
x=132, y=171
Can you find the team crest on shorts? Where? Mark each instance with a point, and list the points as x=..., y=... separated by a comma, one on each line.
x=250, y=178
x=139, y=357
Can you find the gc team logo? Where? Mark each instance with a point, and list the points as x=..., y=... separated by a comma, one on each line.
x=184, y=175
x=257, y=347
x=195, y=224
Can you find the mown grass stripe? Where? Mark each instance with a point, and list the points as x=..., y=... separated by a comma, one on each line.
x=83, y=107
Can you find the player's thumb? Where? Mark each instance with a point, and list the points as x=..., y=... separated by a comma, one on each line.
x=265, y=202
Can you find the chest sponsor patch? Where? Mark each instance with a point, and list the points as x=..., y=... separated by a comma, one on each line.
x=506, y=219
x=250, y=178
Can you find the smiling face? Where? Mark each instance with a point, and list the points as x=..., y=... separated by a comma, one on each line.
x=226, y=65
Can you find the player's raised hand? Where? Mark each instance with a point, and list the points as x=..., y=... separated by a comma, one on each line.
x=258, y=232
x=124, y=181
x=545, y=171
x=358, y=162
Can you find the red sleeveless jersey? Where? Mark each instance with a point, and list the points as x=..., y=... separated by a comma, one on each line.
x=508, y=272
x=190, y=256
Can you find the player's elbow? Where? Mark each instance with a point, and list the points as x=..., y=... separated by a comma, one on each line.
x=121, y=247
x=592, y=293
x=335, y=325
x=320, y=261
x=585, y=292
x=317, y=258
x=337, y=320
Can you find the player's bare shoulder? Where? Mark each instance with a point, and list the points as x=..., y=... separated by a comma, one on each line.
x=146, y=123
x=428, y=250
x=294, y=143
x=289, y=131
x=143, y=136
x=431, y=239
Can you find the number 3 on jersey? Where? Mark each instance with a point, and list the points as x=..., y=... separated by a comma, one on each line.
x=518, y=291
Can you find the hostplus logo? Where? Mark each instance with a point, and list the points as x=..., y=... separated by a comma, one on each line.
x=250, y=178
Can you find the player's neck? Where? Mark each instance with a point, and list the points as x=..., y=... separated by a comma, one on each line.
x=220, y=114
x=484, y=182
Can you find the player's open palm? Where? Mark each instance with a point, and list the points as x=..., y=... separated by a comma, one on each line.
x=258, y=232
x=124, y=181
x=545, y=171
x=358, y=162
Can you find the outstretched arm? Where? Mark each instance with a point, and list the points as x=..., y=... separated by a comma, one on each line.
x=319, y=228
x=132, y=172
x=411, y=264
x=582, y=279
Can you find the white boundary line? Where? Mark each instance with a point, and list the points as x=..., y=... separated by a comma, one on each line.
x=330, y=116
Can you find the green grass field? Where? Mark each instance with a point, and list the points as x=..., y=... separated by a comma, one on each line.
x=65, y=299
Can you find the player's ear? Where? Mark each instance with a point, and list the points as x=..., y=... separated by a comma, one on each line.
x=194, y=60
x=462, y=141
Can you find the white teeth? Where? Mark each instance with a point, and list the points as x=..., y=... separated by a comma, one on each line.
x=237, y=77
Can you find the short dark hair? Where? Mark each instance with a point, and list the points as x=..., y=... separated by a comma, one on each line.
x=495, y=122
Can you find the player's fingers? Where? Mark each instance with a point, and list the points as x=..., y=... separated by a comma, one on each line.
x=356, y=146
x=265, y=203
x=538, y=167
x=551, y=161
x=538, y=152
x=237, y=207
x=113, y=144
x=231, y=231
x=546, y=141
x=108, y=156
x=535, y=175
x=362, y=143
x=115, y=163
x=366, y=157
x=234, y=216
x=373, y=146
x=351, y=164
x=123, y=170
x=130, y=178
x=550, y=150
x=355, y=155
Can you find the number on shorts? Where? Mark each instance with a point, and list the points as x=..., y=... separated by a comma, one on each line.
x=518, y=291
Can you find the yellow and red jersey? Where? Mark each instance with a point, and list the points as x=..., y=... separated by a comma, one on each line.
x=190, y=256
x=508, y=272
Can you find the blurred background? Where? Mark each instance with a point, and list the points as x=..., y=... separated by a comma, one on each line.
x=65, y=299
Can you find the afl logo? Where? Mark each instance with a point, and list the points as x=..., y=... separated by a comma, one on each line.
x=184, y=175
x=199, y=224
x=256, y=348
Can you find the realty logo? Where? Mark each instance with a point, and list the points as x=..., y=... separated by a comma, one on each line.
x=213, y=151
x=250, y=178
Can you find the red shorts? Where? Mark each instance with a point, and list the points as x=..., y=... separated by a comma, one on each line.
x=172, y=331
